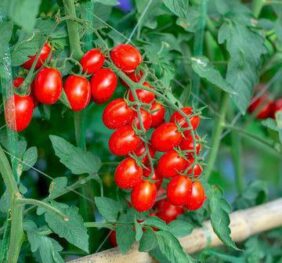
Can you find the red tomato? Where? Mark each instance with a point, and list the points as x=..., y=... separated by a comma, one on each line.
x=78, y=92
x=187, y=144
x=140, y=152
x=146, y=119
x=197, y=197
x=92, y=61
x=18, y=81
x=103, y=85
x=179, y=190
x=143, y=196
x=166, y=137
x=167, y=211
x=276, y=106
x=196, y=171
x=117, y=114
x=113, y=238
x=128, y=174
x=144, y=96
x=261, y=107
x=123, y=141
x=126, y=57
x=171, y=164
x=155, y=176
x=44, y=54
x=177, y=117
x=18, y=112
x=48, y=85
x=134, y=76
x=158, y=114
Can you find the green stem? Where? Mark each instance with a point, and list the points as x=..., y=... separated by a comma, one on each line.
x=215, y=141
x=79, y=130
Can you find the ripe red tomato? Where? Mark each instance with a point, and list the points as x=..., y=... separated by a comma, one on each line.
x=197, y=197
x=144, y=96
x=179, y=190
x=196, y=171
x=18, y=81
x=123, y=141
x=92, y=61
x=44, y=54
x=18, y=112
x=128, y=174
x=155, y=176
x=276, y=106
x=166, y=137
x=126, y=57
x=187, y=144
x=48, y=85
x=171, y=164
x=140, y=152
x=117, y=114
x=261, y=107
x=167, y=211
x=143, y=196
x=134, y=76
x=103, y=85
x=177, y=117
x=158, y=114
x=146, y=119
x=113, y=238
x=78, y=92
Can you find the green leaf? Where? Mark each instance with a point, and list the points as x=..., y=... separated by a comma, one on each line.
x=203, y=67
x=178, y=7
x=57, y=187
x=29, y=158
x=24, y=12
x=138, y=231
x=47, y=248
x=219, y=214
x=180, y=228
x=171, y=248
x=156, y=222
x=108, y=208
x=72, y=230
x=148, y=241
x=106, y=2
x=6, y=30
x=74, y=158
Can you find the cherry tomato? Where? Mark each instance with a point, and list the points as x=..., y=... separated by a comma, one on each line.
x=140, y=152
x=276, y=106
x=187, y=144
x=17, y=82
x=113, y=238
x=196, y=171
x=167, y=211
x=261, y=107
x=44, y=54
x=143, y=196
x=128, y=174
x=134, y=76
x=48, y=85
x=155, y=176
x=177, y=117
x=92, y=61
x=123, y=141
x=166, y=137
x=179, y=190
x=146, y=119
x=197, y=197
x=103, y=85
x=78, y=92
x=158, y=114
x=18, y=112
x=171, y=164
x=126, y=57
x=117, y=114
x=144, y=96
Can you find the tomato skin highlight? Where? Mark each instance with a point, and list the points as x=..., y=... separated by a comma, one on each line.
x=78, y=92
x=197, y=197
x=117, y=114
x=48, y=86
x=103, y=85
x=18, y=112
x=92, y=61
x=18, y=81
x=44, y=54
x=171, y=164
x=177, y=117
x=143, y=196
x=128, y=174
x=146, y=119
x=123, y=141
x=166, y=137
x=126, y=57
x=158, y=114
x=167, y=211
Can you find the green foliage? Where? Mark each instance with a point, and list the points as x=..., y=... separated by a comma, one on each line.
x=57, y=187
x=108, y=208
x=148, y=241
x=29, y=158
x=178, y=7
x=180, y=228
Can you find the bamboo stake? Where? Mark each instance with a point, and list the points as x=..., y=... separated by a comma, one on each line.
x=244, y=223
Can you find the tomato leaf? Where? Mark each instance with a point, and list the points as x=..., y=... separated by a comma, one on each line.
x=180, y=228
x=57, y=186
x=106, y=2
x=219, y=214
x=74, y=158
x=29, y=158
x=156, y=222
x=178, y=7
x=148, y=241
x=108, y=208
x=275, y=125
